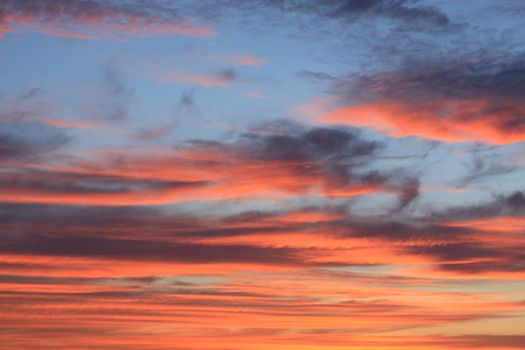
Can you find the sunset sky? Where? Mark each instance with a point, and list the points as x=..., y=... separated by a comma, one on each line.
x=262, y=175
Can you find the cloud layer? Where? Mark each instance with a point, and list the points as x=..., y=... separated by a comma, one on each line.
x=150, y=198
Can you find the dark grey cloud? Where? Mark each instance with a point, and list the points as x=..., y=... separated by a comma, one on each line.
x=227, y=75
x=29, y=140
x=457, y=251
x=141, y=223
x=492, y=77
x=408, y=193
x=50, y=182
x=64, y=215
x=315, y=144
x=134, y=223
x=405, y=231
x=327, y=151
x=514, y=263
x=336, y=154
x=342, y=157
x=411, y=13
x=510, y=204
x=32, y=279
x=473, y=257
x=149, y=234
x=148, y=250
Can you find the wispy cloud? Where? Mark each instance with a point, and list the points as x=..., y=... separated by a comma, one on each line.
x=240, y=60
x=222, y=79
x=93, y=19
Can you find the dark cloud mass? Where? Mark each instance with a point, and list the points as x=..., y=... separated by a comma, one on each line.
x=29, y=140
x=139, y=250
x=72, y=184
x=401, y=10
x=493, y=78
x=407, y=13
x=315, y=144
x=512, y=205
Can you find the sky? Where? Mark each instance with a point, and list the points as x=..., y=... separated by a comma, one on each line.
x=249, y=175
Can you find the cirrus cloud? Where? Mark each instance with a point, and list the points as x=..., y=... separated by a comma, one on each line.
x=92, y=19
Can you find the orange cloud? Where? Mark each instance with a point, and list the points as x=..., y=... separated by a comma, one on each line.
x=206, y=171
x=191, y=182
x=449, y=121
x=83, y=284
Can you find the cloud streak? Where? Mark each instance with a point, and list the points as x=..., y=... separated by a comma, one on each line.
x=94, y=20
x=222, y=79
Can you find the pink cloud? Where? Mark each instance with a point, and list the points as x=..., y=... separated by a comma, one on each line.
x=91, y=20
x=222, y=79
x=240, y=60
x=256, y=94
x=61, y=123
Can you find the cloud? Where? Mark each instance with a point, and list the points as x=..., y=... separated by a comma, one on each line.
x=222, y=79
x=407, y=14
x=29, y=140
x=35, y=186
x=68, y=124
x=489, y=341
x=501, y=205
x=92, y=19
x=32, y=108
x=281, y=235
x=137, y=234
x=474, y=258
x=485, y=166
x=102, y=257
x=240, y=60
x=116, y=97
x=465, y=100
x=185, y=115
x=399, y=10
x=147, y=250
x=402, y=231
x=293, y=161
x=481, y=238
